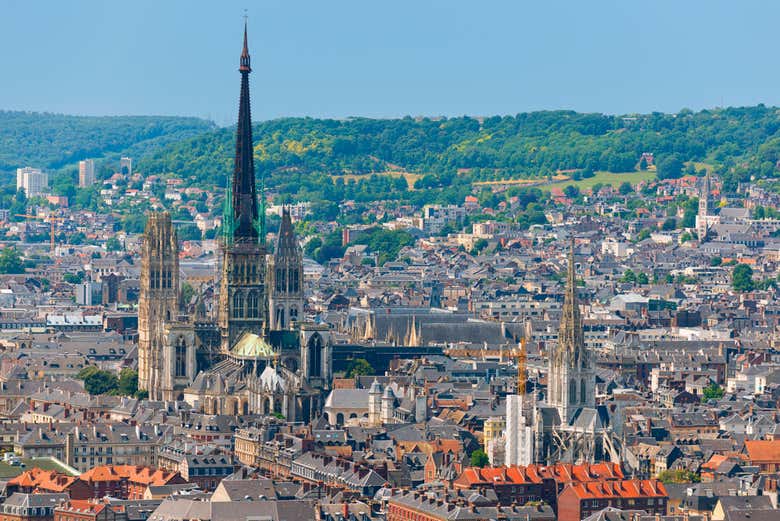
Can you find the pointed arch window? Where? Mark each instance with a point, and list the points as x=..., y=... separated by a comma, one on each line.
x=293, y=282
x=253, y=305
x=583, y=390
x=280, y=323
x=180, y=357
x=572, y=391
x=280, y=280
x=293, y=313
x=316, y=347
x=238, y=305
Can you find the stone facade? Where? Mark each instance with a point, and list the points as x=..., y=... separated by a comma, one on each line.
x=166, y=347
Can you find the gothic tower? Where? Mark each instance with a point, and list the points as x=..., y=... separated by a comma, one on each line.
x=571, y=379
x=242, y=305
x=702, y=218
x=375, y=404
x=158, y=301
x=285, y=299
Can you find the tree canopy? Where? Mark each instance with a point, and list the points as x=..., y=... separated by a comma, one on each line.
x=742, y=278
x=10, y=261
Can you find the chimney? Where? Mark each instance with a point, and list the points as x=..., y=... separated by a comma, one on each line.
x=345, y=510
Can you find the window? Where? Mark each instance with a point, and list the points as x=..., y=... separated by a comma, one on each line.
x=253, y=305
x=293, y=283
x=279, y=280
x=238, y=305
x=293, y=313
x=280, y=318
x=583, y=390
x=572, y=391
x=181, y=357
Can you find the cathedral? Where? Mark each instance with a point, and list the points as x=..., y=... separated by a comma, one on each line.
x=260, y=356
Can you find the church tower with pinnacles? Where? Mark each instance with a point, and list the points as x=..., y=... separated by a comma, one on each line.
x=269, y=359
x=572, y=380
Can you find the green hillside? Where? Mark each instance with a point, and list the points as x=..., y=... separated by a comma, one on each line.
x=305, y=157
x=53, y=141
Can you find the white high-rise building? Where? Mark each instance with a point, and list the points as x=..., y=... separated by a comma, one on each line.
x=86, y=173
x=126, y=165
x=33, y=181
x=519, y=433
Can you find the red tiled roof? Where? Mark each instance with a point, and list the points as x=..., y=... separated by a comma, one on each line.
x=561, y=473
x=632, y=488
x=132, y=473
x=763, y=450
x=44, y=480
x=82, y=506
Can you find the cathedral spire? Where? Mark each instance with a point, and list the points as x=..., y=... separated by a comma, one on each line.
x=245, y=53
x=244, y=212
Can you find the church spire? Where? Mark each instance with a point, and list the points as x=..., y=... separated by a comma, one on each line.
x=245, y=218
x=570, y=337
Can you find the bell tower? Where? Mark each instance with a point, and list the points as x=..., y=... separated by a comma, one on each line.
x=285, y=299
x=158, y=302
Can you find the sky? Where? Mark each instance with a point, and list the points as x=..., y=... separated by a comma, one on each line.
x=391, y=58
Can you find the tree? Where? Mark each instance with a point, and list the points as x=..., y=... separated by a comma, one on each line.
x=643, y=234
x=571, y=191
x=98, y=381
x=642, y=279
x=479, y=245
x=670, y=167
x=113, y=244
x=742, y=278
x=74, y=278
x=712, y=392
x=625, y=188
x=716, y=261
x=643, y=163
x=189, y=232
x=678, y=476
x=187, y=292
x=479, y=458
x=628, y=276
x=669, y=224
x=10, y=261
x=128, y=382
x=359, y=367
x=77, y=238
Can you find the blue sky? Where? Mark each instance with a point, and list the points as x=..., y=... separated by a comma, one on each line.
x=387, y=58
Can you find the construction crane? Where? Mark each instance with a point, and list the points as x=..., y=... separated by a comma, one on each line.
x=53, y=220
x=521, y=356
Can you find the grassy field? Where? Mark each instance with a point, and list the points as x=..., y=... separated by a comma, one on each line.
x=10, y=471
x=410, y=177
x=708, y=167
x=605, y=178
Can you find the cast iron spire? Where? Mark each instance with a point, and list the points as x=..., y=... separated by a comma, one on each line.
x=244, y=197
